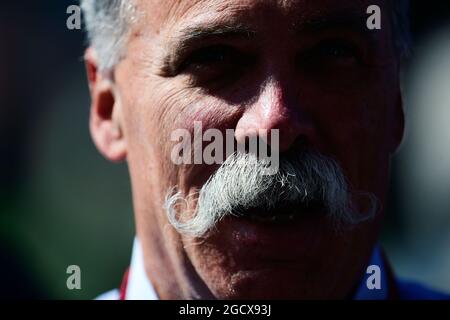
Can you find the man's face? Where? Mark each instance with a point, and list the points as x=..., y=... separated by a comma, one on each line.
x=311, y=69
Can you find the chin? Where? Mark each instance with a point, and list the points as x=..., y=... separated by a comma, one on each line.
x=278, y=283
x=300, y=259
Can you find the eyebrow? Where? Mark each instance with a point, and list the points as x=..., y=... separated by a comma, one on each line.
x=193, y=35
x=333, y=22
x=201, y=33
x=190, y=36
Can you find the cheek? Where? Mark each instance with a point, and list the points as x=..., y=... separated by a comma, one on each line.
x=159, y=118
x=150, y=110
x=196, y=119
x=349, y=124
x=211, y=112
x=352, y=126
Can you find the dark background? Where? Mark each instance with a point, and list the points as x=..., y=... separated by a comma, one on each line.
x=61, y=203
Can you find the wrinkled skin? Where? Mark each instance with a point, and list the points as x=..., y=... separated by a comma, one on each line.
x=334, y=85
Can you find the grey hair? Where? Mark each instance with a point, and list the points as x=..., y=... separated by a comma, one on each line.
x=107, y=24
x=240, y=185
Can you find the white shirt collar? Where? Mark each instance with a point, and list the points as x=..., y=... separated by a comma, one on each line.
x=139, y=286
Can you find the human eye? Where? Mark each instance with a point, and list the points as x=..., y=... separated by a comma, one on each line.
x=331, y=54
x=216, y=63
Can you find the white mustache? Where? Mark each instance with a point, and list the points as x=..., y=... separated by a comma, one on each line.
x=241, y=184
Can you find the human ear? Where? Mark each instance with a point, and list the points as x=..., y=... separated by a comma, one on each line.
x=397, y=124
x=106, y=122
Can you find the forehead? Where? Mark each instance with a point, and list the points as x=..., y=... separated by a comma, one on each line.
x=167, y=16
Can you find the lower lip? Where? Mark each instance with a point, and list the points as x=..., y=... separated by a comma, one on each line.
x=275, y=241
